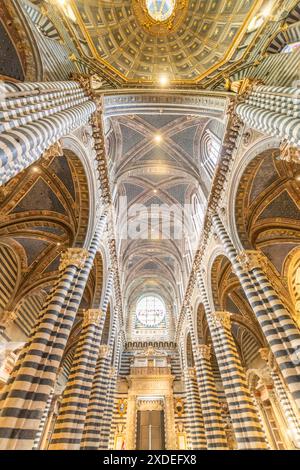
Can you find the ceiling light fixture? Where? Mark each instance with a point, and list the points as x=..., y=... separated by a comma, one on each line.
x=158, y=138
x=163, y=80
x=68, y=9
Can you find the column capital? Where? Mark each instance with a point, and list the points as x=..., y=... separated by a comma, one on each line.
x=221, y=319
x=242, y=87
x=7, y=318
x=112, y=371
x=251, y=259
x=203, y=351
x=289, y=153
x=53, y=151
x=92, y=317
x=264, y=354
x=104, y=351
x=192, y=372
x=73, y=256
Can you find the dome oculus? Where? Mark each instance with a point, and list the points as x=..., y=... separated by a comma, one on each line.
x=160, y=10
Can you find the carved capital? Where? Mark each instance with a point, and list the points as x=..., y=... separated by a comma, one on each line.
x=92, y=317
x=192, y=372
x=112, y=371
x=73, y=256
x=7, y=318
x=289, y=153
x=264, y=354
x=104, y=351
x=221, y=319
x=241, y=87
x=54, y=151
x=203, y=351
x=251, y=259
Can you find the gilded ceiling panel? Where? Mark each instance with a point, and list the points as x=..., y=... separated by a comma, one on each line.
x=192, y=37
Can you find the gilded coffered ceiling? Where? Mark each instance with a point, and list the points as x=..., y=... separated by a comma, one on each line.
x=138, y=40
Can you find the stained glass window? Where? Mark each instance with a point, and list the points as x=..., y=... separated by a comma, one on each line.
x=150, y=311
x=160, y=10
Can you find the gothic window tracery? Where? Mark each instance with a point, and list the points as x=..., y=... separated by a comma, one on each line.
x=150, y=311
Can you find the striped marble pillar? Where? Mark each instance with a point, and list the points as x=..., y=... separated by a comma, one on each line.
x=211, y=410
x=245, y=422
x=100, y=390
x=75, y=295
x=98, y=398
x=193, y=410
x=70, y=422
x=108, y=410
x=210, y=405
x=280, y=330
x=274, y=111
x=26, y=394
x=111, y=397
x=29, y=125
x=292, y=417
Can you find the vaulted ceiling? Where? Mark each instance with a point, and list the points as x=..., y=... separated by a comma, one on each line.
x=148, y=177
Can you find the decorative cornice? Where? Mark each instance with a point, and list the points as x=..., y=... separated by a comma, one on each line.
x=106, y=199
x=73, y=257
x=232, y=134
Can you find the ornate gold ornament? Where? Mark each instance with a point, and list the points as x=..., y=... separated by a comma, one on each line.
x=73, y=256
x=92, y=317
x=179, y=407
x=251, y=259
x=289, y=153
x=122, y=406
x=159, y=21
x=7, y=318
x=221, y=319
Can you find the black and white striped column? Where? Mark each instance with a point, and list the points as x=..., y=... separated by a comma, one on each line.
x=33, y=116
x=211, y=410
x=292, y=418
x=26, y=394
x=245, y=421
x=100, y=387
x=70, y=422
x=274, y=111
x=279, y=328
x=98, y=398
x=210, y=405
x=111, y=397
x=194, y=412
